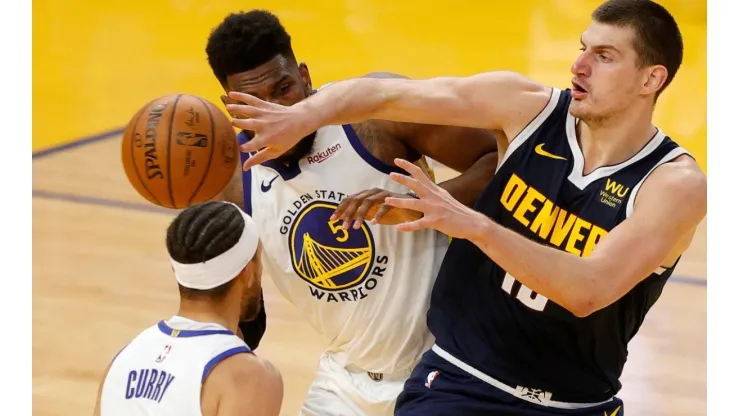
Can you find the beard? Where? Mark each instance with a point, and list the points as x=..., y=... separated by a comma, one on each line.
x=252, y=305
x=586, y=113
x=297, y=152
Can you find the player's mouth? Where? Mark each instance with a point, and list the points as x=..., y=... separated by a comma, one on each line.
x=578, y=92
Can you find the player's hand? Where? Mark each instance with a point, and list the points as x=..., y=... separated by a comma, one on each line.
x=370, y=205
x=440, y=210
x=277, y=128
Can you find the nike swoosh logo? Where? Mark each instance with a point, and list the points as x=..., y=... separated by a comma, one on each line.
x=540, y=151
x=614, y=413
x=267, y=187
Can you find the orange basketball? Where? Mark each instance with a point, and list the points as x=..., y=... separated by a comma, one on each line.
x=179, y=150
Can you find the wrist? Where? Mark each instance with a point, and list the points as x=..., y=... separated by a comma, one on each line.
x=481, y=230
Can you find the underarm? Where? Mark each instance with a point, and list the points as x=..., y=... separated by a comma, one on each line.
x=378, y=140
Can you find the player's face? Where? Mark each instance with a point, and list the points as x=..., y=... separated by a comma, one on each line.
x=606, y=78
x=281, y=81
x=250, y=300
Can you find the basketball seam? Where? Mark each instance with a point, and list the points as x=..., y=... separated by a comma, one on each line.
x=133, y=159
x=169, y=151
x=213, y=147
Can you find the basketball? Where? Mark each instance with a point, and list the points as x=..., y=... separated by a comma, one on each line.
x=179, y=150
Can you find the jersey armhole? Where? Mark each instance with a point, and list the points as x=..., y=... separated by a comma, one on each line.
x=222, y=356
x=673, y=154
x=246, y=176
x=532, y=127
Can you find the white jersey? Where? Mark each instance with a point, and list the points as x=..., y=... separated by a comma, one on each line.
x=366, y=290
x=161, y=371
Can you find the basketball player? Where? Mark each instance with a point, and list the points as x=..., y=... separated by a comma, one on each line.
x=194, y=363
x=552, y=272
x=364, y=287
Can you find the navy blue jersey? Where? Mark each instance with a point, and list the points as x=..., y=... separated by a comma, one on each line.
x=486, y=318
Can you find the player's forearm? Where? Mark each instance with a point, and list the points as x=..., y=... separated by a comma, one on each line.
x=564, y=278
x=348, y=101
x=432, y=101
x=467, y=186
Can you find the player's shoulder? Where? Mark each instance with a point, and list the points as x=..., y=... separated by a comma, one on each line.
x=680, y=181
x=243, y=380
x=242, y=368
x=682, y=172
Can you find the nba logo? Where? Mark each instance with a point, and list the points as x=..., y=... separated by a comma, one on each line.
x=164, y=354
x=430, y=378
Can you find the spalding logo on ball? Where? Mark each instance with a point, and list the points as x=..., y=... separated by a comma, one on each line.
x=179, y=150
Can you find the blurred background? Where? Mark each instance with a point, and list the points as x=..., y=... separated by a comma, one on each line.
x=100, y=274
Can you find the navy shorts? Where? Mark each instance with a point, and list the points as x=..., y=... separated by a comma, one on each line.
x=438, y=387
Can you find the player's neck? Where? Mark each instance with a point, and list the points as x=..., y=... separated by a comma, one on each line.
x=614, y=140
x=205, y=311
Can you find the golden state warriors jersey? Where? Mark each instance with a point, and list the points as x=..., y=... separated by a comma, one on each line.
x=161, y=371
x=366, y=290
x=483, y=316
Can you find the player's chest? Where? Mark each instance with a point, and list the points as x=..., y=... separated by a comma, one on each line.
x=549, y=208
x=314, y=253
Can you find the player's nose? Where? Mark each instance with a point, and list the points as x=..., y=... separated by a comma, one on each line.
x=581, y=66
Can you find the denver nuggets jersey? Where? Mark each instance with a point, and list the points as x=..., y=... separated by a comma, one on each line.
x=160, y=372
x=366, y=290
x=483, y=316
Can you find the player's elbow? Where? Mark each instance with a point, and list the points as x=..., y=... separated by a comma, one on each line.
x=583, y=306
x=591, y=295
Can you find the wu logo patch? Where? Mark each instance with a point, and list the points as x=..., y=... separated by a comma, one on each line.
x=616, y=189
x=613, y=193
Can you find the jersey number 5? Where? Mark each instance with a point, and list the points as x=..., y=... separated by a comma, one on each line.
x=337, y=228
x=525, y=294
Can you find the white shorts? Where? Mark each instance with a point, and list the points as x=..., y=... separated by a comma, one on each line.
x=340, y=391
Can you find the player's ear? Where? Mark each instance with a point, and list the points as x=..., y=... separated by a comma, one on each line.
x=655, y=77
x=306, y=77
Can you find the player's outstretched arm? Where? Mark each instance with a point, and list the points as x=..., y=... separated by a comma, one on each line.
x=242, y=384
x=668, y=208
x=504, y=101
x=470, y=151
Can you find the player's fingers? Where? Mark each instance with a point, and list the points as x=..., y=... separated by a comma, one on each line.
x=406, y=203
x=381, y=213
x=410, y=183
x=348, y=207
x=240, y=111
x=248, y=99
x=257, y=143
x=420, y=224
x=414, y=170
x=251, y=124
x=366, y=205
x=257, y=158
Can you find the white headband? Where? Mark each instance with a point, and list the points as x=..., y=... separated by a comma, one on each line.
x=225, y=266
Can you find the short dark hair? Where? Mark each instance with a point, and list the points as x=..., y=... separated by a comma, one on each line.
x=658, y=40
x=246, y=40
x=200, y=233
